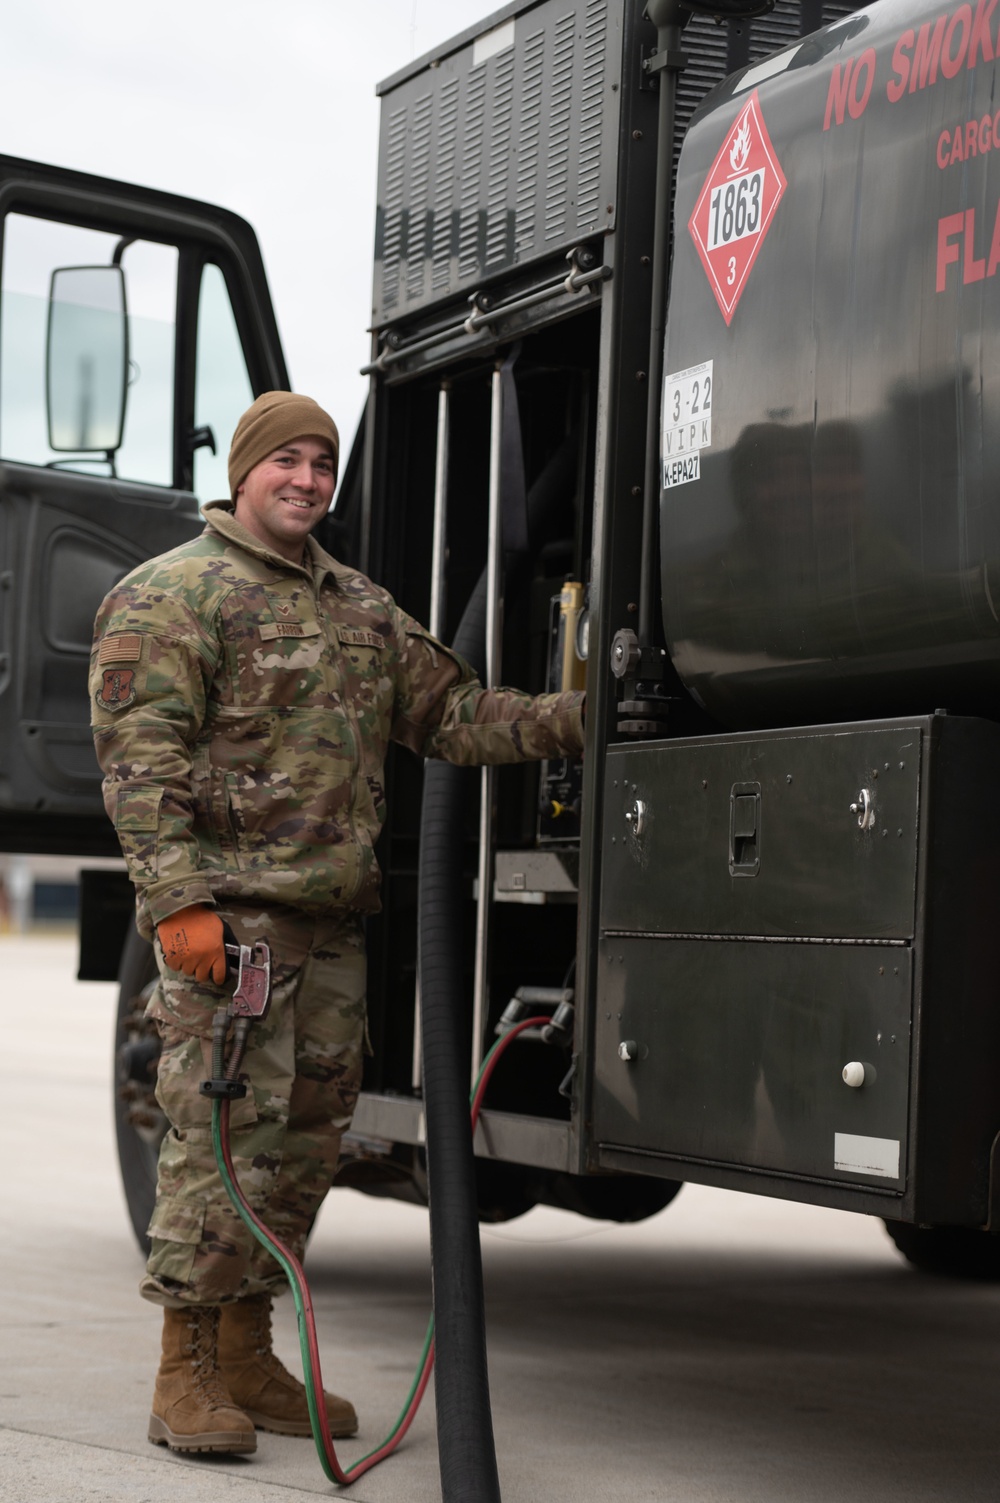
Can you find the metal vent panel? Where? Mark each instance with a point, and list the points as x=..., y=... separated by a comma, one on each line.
x=396, y=213
x=706, y=45
x=715, y=50
x=772, y=32
x=494, y=158
x=790, y=20
x=441, y=228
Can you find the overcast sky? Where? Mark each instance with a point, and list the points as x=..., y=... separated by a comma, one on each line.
x=266, y=108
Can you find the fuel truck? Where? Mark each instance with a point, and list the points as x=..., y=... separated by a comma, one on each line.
x=681, y=392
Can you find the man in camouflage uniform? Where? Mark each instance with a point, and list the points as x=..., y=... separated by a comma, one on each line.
x=245, y=689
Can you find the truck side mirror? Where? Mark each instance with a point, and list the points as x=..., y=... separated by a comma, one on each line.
x=86, y=359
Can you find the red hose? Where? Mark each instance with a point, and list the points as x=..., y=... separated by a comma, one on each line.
x=295, y=1272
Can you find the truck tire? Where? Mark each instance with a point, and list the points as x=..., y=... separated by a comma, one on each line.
x=960, y=1252
x=139, y=1122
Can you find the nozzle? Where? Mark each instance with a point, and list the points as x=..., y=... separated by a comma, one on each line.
x=512, y=1014
x=560, y=1030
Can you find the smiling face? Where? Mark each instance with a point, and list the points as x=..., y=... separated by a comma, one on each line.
x=282, y=498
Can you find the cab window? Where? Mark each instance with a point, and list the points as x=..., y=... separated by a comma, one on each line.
x=35, y=248
x=222, y=389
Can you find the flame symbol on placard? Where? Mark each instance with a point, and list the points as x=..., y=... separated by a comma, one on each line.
x=740, y=148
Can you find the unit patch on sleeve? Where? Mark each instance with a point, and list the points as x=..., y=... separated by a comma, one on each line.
x=117, y=689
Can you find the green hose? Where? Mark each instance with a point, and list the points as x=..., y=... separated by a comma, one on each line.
x=292, y=1269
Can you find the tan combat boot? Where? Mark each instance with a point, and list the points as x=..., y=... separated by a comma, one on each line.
x=191, y=1409
x=259, y=1383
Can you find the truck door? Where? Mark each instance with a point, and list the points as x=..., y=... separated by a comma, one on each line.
x=135, y=327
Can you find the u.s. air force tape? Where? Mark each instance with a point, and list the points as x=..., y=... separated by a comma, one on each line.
x=352, y=637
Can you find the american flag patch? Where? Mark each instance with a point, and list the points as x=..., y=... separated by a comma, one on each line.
x=120, y=647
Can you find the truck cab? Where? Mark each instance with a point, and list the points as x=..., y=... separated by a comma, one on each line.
x=135, y=326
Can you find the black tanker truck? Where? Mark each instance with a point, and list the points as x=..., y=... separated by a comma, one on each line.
x=682, y=391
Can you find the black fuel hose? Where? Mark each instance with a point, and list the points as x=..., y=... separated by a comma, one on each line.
x=466, y=1447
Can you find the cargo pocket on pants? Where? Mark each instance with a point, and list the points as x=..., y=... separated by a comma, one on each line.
x=176, y=1233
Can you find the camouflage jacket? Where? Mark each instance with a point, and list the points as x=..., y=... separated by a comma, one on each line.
x=242, y=710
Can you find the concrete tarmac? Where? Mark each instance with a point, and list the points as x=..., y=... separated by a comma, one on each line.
x=730, y=1350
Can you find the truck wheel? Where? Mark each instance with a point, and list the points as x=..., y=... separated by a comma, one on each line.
x=960, y=1252
x=139, y=1122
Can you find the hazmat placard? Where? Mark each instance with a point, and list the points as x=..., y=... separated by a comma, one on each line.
x=743, y=188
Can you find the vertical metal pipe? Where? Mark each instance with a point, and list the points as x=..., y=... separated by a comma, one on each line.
x=494, y=638
x=668, y=41
x=417, y=1064
x=368, y=476
x=481, y=995
x=439, y=549
x=494, y=554
x=439, y=541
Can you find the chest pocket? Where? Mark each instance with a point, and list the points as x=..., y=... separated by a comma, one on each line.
x=277, y=650
x=365, y=657
x=287, y=663
x=366, y=663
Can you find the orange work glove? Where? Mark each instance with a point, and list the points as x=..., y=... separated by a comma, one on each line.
x=192, y=942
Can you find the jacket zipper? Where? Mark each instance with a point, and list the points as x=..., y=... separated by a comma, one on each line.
x=362, y=865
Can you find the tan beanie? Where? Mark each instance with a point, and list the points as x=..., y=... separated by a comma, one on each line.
x=275, y=419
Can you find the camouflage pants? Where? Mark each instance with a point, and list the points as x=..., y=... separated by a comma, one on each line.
x=304, y=1067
